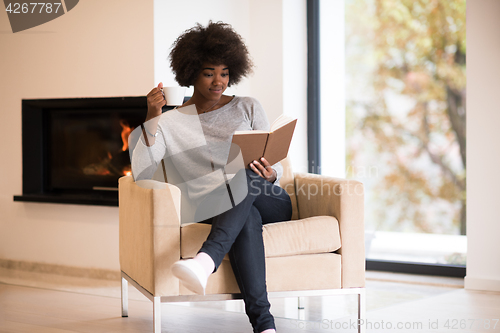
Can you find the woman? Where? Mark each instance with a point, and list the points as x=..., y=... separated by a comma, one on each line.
x=211, y=59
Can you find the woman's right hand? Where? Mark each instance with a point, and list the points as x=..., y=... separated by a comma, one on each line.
x=155, y=101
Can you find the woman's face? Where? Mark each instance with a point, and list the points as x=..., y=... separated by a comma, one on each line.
x=212, y=81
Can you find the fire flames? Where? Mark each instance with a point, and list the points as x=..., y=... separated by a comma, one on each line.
x=107, y=166
x=126, y=130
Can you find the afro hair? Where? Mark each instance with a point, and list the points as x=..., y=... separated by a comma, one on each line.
x=216, y=44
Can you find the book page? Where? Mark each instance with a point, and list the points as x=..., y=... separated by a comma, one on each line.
x=250, y=132
x=280, y=121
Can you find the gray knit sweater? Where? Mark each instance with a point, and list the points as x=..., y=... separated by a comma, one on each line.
x=193, y=142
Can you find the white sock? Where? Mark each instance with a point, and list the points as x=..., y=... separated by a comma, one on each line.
x=270, y=330
x=206, y=262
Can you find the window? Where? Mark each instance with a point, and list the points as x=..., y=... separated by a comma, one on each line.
x=404, y=122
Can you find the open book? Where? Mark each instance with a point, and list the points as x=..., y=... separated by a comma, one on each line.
x=272, y=145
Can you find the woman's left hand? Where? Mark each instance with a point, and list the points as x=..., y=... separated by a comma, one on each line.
x=264, y=169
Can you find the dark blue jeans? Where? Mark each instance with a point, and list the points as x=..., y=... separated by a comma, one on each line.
x=239, y=232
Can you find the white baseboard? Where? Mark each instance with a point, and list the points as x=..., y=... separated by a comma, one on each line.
x=473, y=283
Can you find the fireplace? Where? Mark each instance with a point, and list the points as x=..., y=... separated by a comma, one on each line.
x=74, y=150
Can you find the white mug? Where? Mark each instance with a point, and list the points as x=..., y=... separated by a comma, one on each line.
x=174, y=95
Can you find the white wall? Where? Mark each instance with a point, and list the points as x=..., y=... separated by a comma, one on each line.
x=171, y=18
x=275, y=34
x=332, y=76
x=483, y=137
x=279, y=48
x=99, y=48
x=295, y=78
x=266, y=48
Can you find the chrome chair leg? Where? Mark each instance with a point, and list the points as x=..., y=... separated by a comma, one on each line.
x=301, y=302
x=124, y=297
x=362, y=311
x=157, y=314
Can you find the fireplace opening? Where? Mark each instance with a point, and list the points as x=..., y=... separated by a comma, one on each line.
x=75, y=150
x=88, y=149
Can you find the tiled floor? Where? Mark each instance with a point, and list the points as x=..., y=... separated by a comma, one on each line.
x=35, y=302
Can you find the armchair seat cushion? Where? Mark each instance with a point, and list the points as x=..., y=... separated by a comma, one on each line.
x=303, y=272
x=314, y=235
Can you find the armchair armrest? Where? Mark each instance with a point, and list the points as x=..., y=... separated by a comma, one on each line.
x=343, y=199
x=149, y=232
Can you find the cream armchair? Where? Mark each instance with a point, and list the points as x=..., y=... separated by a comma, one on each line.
x=319, y=252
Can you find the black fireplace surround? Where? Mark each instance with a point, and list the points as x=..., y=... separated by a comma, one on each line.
x=74, y=150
